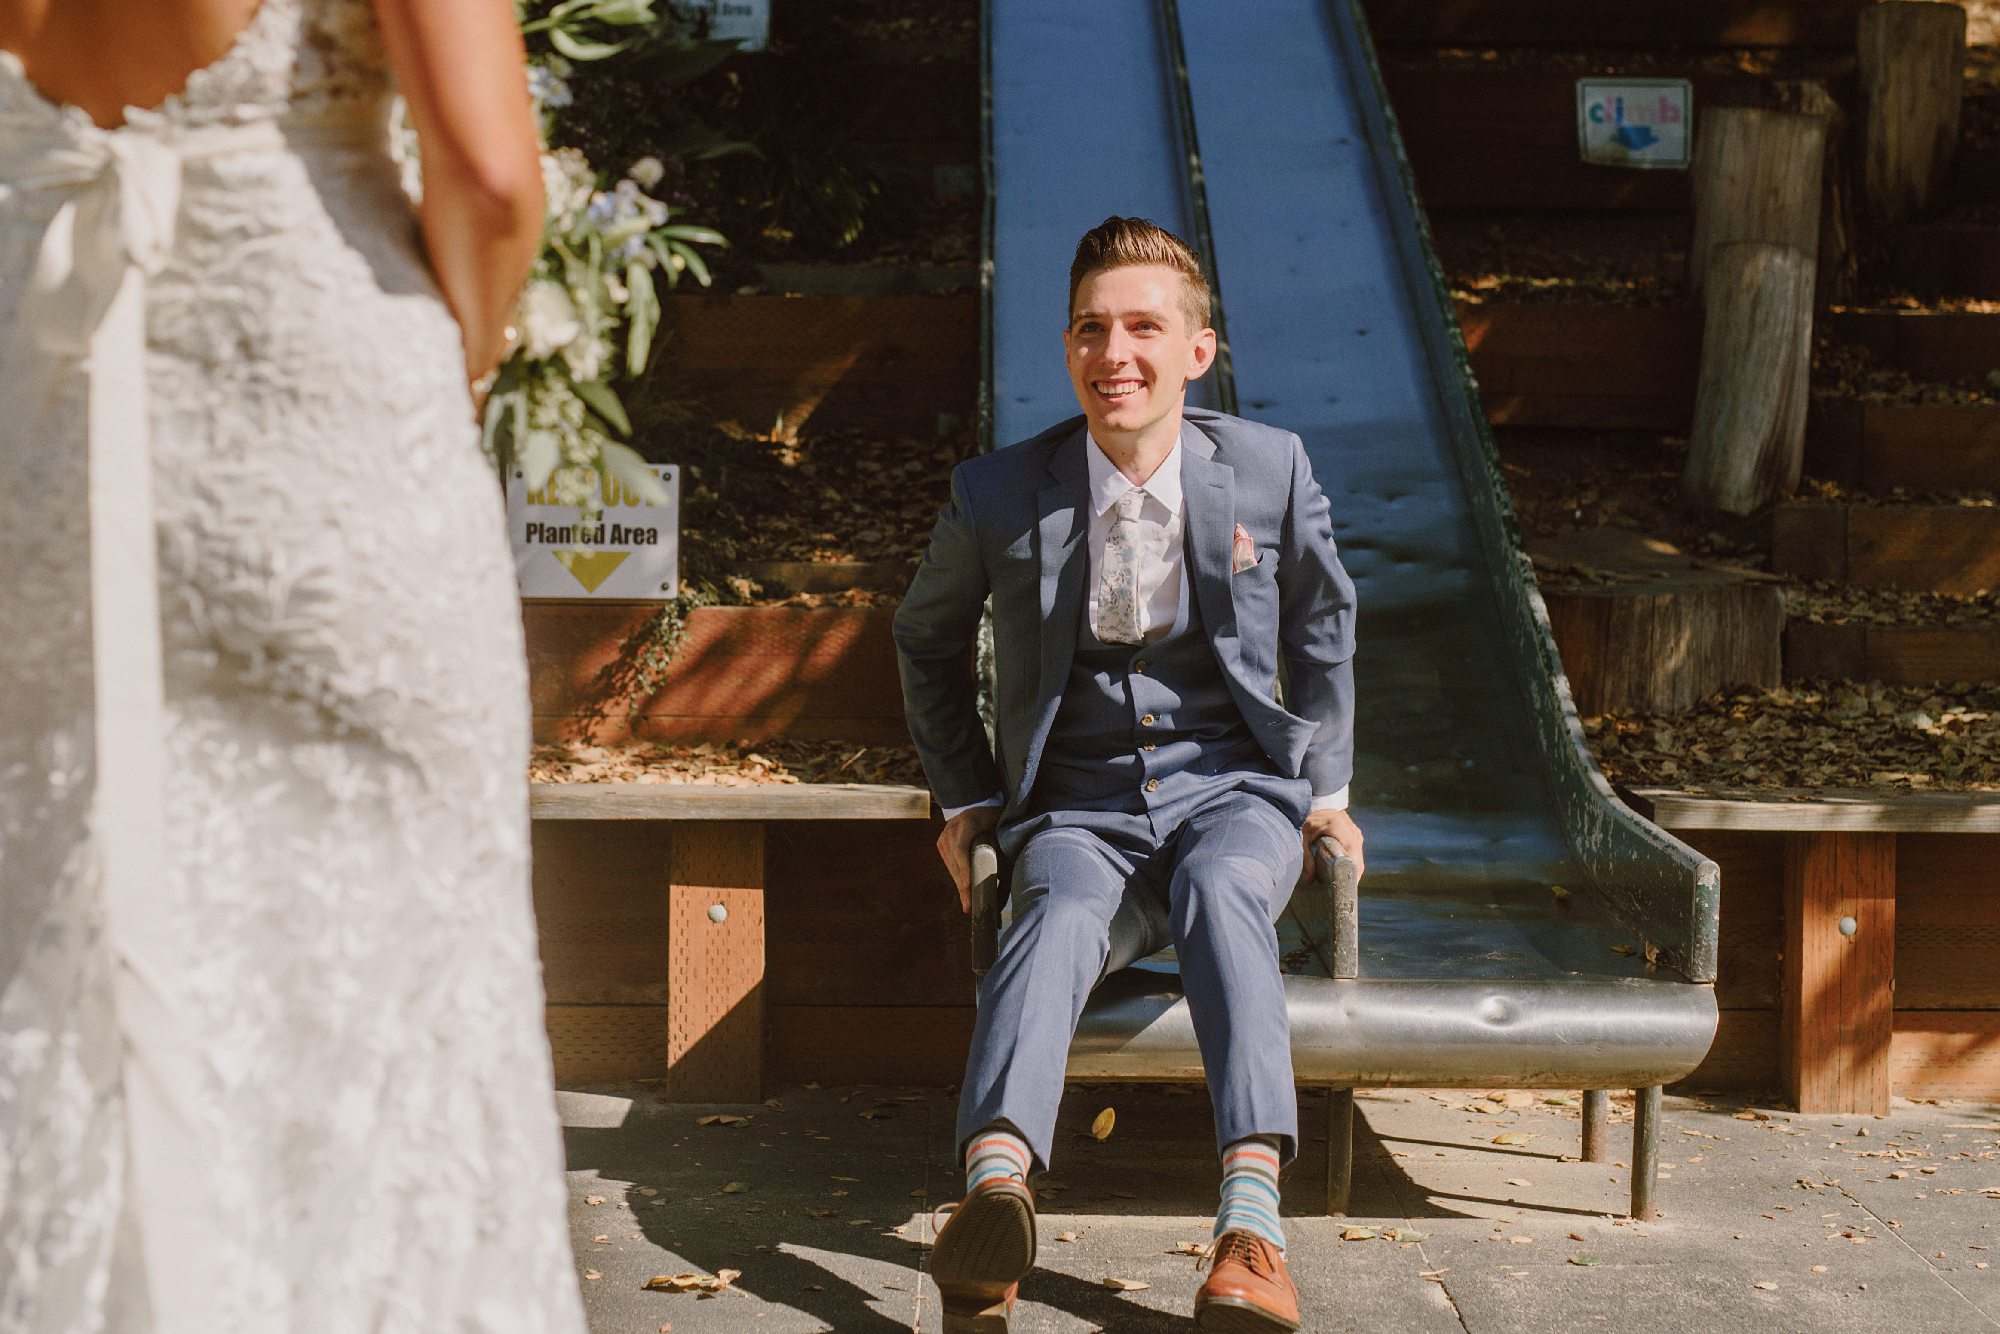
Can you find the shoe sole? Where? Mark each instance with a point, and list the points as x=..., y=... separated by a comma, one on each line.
x=1232, y=1315
x=972, y=1317
x=992, y=1244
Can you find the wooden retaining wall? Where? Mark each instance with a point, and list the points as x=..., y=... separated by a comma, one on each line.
x=743, y=673
x=1944, y=1039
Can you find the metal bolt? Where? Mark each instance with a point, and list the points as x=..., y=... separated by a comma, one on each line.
x=717, y=913
x=1848, y=926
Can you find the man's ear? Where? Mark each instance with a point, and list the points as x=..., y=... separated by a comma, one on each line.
x=1201, y=354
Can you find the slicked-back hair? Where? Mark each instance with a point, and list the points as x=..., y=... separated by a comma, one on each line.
x=1118, y=243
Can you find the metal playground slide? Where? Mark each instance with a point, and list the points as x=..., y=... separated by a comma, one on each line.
x=1519, y=926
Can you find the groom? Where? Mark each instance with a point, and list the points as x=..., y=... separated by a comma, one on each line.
x=1152, y=569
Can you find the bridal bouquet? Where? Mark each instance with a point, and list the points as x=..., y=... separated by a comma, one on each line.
x=591, y=309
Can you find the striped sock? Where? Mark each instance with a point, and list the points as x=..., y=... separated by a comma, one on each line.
x=1250, y=1189
x=996, y=1152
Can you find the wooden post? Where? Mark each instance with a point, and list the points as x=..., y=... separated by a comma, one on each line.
x=1756, y=177
x=1912, y=67
x=1748, y=441
x=1839, y=975
x=1839, y=272
x=715, y=962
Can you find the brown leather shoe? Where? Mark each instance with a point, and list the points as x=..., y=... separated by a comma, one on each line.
x=983, y=1252
x=1247, y=1290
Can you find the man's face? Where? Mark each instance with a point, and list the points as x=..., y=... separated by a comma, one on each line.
x=1130, y=350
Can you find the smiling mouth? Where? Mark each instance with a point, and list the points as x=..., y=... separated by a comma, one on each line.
x=1116, y=389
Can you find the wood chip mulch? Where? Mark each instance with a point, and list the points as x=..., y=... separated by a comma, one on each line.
x=729, y=764
x=1836, y=604
x=1552, y=260
x=1848, y=370
x=1812, y=734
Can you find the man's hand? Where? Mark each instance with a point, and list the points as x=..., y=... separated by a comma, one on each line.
x=955, y=846
x=1337, y=825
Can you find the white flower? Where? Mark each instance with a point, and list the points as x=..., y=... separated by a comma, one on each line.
x=547, y=319
x=585, y=357
x=647, y=171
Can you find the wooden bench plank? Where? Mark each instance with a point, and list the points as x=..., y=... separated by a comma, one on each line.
x=715, y=801
x=1821, y=810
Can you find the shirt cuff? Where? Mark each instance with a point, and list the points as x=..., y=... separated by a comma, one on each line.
x=1332, y=801
x=953, y=812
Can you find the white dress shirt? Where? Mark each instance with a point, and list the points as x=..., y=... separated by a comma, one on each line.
x=1162, y=553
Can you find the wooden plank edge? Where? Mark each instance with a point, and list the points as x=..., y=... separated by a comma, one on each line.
x=1849, y=810
x=715, y=801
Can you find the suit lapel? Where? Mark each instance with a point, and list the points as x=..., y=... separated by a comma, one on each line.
x=1208, y=491
x=1062, y=522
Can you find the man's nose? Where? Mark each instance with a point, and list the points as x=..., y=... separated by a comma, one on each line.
x=1117, y=345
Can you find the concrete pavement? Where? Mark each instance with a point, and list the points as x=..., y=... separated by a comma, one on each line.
x=1483, y=1220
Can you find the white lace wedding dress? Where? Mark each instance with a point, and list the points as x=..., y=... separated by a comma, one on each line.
x=271, y=1048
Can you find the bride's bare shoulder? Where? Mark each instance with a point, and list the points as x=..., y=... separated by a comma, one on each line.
x=107, y=55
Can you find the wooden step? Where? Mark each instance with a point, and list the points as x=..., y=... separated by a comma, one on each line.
x=1897, y=655
x=1651, y=629
x=1700, y=23
x=903, y=364
x=1925, y=548
x=1976, y=175
x=1607, y=367
x=1878, y=447
x=1930, y=345
x=1946, y=259
x=1447, y=116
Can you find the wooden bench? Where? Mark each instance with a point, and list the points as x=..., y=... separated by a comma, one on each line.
x=683, y=988
x=1847, y=1025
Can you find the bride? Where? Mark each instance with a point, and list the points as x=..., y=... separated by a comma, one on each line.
x=271, y=1055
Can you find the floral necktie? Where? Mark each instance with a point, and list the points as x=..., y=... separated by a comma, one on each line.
x=1118, y=579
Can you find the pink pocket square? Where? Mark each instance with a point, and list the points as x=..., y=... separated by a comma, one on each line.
x=1243, y=552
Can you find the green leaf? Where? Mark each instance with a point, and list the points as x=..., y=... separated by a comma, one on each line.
x=694, y=235
x=1584, y=1260
x=695, y=263
x=578, y=49
x=643, y=309
x=598, y=397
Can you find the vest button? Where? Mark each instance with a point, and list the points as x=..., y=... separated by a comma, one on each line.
x=1152, y=785
x=1146, y=745
x=1140, y=666
x=1146, y=721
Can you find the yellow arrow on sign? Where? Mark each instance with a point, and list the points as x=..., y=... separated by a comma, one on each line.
x=591, y=568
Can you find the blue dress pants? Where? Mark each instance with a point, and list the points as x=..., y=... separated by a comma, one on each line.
x=1220, y=877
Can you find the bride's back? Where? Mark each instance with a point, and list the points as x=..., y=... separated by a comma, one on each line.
x=107, y=55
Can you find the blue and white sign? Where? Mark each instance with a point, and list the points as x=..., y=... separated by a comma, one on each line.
x=630, y=552
x=749, y=21
x=1635, y=122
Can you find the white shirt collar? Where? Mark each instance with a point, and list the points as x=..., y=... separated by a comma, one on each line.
x=1107, y=483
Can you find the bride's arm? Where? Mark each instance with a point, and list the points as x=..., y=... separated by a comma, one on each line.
x=460, y=65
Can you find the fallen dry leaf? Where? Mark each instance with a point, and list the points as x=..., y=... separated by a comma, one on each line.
x=1068, y=1236
x=1512, y=1137
x=1765, y=1286
x=1100, y=1129
x=1358, y=1234
x=734, y=1188
x=1198, y=1249
x=1124, y=1284
x=593, y=1199
x=722, y=1119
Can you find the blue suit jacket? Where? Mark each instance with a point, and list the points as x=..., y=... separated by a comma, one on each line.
x=1016, y=527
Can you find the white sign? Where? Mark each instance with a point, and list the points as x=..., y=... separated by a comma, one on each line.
x=630, y=551
x=1635, y=122
x=747, y=20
